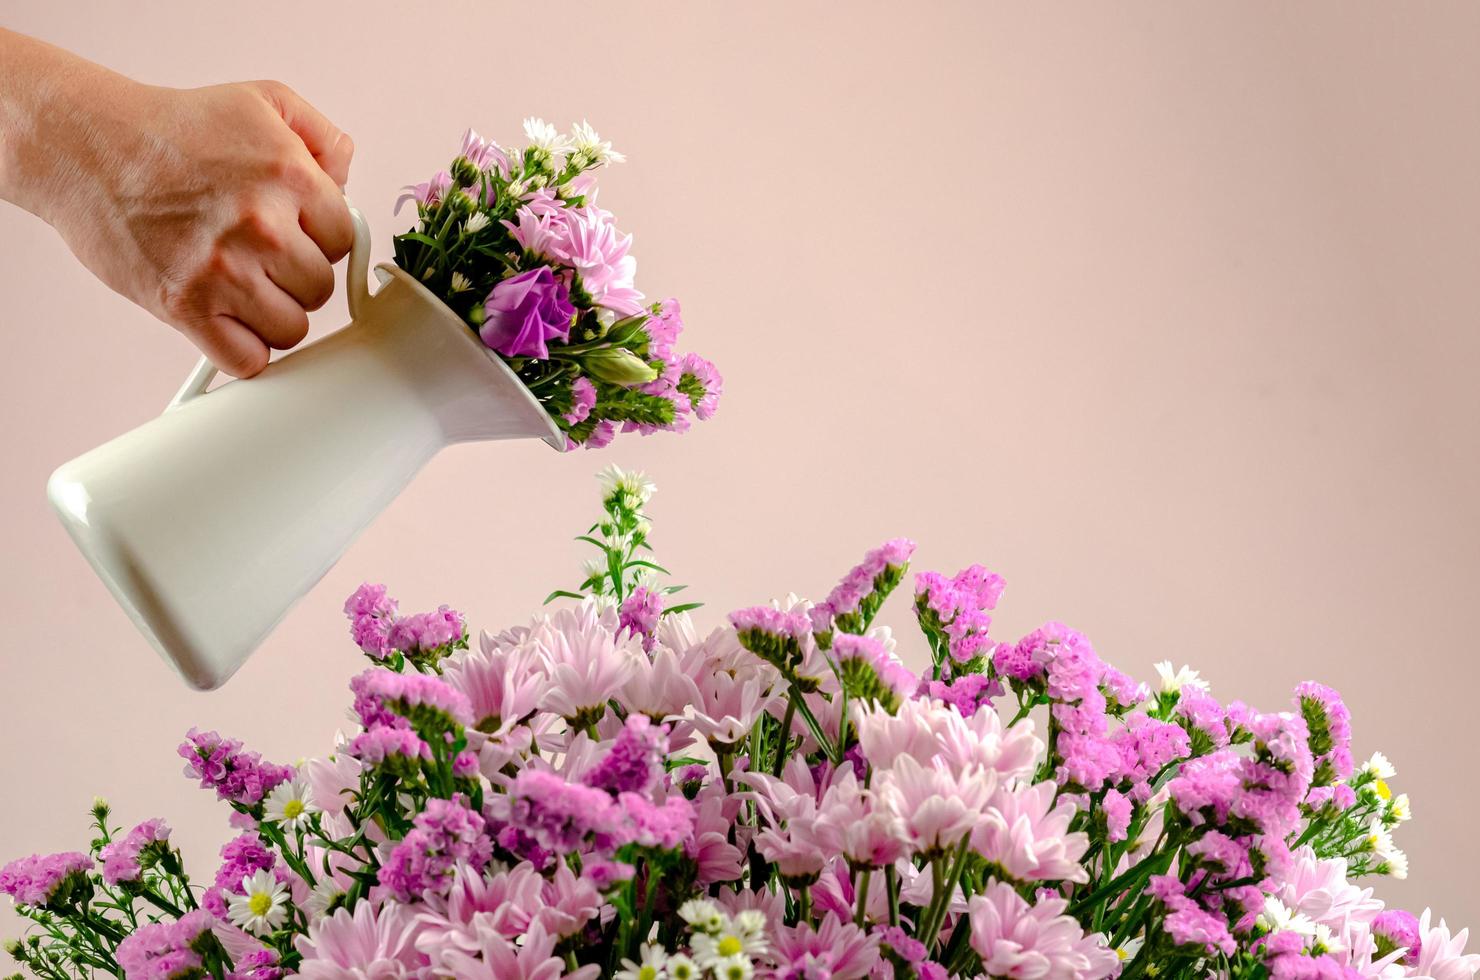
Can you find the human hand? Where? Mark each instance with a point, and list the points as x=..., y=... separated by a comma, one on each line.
x=217, y=209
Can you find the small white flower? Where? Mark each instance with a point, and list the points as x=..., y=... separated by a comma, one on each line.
x=735, y=941
x=460, y=282
x=606, y=317
x=1127, y=950
x=543, y=136
x=1378, y=767
x=262, y=906
x=654, y=959
x=590, y=144
x=594, y=567
x=290, y=804
x=1396, y=864
x=1400, y=809
x=325, y=897
x=735, y=967
x=635, y=483
x=1173, y=681
x=1327, y=940
x=476, y=222
x=680, y=967
x=1277, y=917
x=700, y=913
x=516, y=189
x=1391, y=859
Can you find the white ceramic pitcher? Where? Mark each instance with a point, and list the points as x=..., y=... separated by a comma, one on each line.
x=210, y=521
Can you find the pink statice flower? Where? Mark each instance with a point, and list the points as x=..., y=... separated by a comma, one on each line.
x=869, y=672
x=582, y=400
x=640, y=612
x=1397, y=929
x=701, y=383
x=445, y=834
x=160, y=950
x=121, y=858
x=371, y=614
x=1328, y=723
x=387, y=697
x=44, y=879
x=221, y=764
x=634, y=760
x=1019, y=940
x=887, y=560
x=960, y=608
x=663, y=327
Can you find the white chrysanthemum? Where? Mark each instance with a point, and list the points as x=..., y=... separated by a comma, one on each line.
x=634, y=483
x=1127, y=950
x=291, y=804
x=262, y=906
x=1278, y=917
x=589, y=144
x=1391, y=859
x=651, y=967
x=1378, y=767
x=543, y=136
x=476, y=222
x=1326, y=940
x=680, y=967
x=736, y=940
x=325, y=897
x=733, y=968
x=1173, y=681
x=1400, y=809
x=702, y=915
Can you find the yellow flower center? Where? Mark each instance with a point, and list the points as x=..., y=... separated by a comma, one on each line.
x=1382, y=789
x=729, y=946
x=1122, y=953
x=647, y=973
x=681, y=972
x=293, y=809
x=260, y=904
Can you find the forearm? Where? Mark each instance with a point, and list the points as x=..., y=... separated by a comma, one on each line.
x=41, y=91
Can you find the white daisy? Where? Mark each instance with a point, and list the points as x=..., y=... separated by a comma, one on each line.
x=326, y=896
x=1277, y=917
x=654, y=959
x=1127, y=950
x=460, y=282
x=1173, y=681
x=262, y=907
x=736, y=939
x=1400, y=809
x=735, y=967
x=1378, y=767
x=290, y=804
x=634, y=484
x=700, y=913
x=543, y=136
x=476, y=222
x=680, y=967
x=589, y=144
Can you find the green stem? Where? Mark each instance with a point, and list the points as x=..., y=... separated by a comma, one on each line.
x=785, y=740
x=862, y=898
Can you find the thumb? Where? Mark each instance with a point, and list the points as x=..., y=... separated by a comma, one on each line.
x=331, y=147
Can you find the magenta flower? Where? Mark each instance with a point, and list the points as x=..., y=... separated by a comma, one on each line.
x=41, y=879
x=523, y=314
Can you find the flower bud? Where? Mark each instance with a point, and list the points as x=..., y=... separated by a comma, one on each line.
x=618, y=366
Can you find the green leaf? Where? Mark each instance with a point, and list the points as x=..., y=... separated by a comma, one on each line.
x=682, y=607
x=562, y=594
x=644, y=563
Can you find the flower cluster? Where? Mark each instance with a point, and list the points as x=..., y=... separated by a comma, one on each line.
x=513, y=242
x=607, y=792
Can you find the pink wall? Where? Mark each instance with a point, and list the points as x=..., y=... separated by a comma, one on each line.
x=1167, y=313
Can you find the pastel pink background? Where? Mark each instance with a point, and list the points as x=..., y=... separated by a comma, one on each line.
x=1166, y=312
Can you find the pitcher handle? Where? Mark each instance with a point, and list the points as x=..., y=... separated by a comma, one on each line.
x=357, y=294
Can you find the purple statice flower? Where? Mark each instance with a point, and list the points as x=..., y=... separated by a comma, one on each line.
x=959, y=606
x=42, y=879
x=1015, y=661
x=543, y=815
x=260, y=963
x=384, y=743
x=1221, y=854
x=163, y=950
x=700, y=381
x=888, y=560
x=1125, y=690
x=1201, y=714
x=1397, y=929
x=767, y=619
x=443, y=836
x=634, y=763
x=602, y=435
x=236, y=775
x=1186, y=922
x=371, y=614
x=1147, y=745
x=870, y=672
x=663, y=825
x=903, y=945
x=383, y=696
x=967, y=693
x=1205, y=788
x=429, y=631
x=121, y=857
x=525, y=312
x=1089, y=759
x=1333, y=798
x=465, y=765
x=1117, y=810
x=582, y=400
x=663, y=327
x=777, y=637
x=640, y=613
x=1329, y=725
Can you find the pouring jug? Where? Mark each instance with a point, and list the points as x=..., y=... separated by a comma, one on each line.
x=210, y=521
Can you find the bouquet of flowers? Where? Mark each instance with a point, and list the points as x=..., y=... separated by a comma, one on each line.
x=608, y=792
x=513, y=242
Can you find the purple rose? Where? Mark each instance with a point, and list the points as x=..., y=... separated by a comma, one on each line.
x=525, y=313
